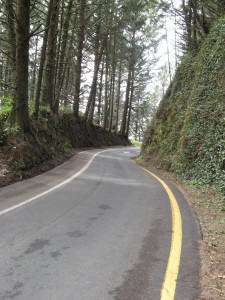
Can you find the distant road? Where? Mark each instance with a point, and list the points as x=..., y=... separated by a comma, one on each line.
x=95, y=228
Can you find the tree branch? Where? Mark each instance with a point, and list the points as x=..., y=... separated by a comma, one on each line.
x=34, y=32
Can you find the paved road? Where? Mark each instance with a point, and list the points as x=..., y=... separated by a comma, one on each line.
x=104, y=234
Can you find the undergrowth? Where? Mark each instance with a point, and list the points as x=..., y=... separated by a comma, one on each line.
x=135, y=143
x=52, y=137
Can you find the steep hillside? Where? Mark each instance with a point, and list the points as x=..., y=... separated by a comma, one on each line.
x=187, y=133
x=53, y=140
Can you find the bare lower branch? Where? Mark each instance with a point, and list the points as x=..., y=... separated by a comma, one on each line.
x=5, y=53
x=35, y=32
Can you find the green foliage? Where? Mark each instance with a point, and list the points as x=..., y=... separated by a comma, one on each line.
x=6, y=130
x=65, y=110
x=135, y=143
x=11, y=130
x=187, y=134
x=5, y=106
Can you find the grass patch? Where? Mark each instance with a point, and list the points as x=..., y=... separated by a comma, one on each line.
x=135, y=143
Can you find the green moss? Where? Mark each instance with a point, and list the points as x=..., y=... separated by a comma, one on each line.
x=187, y=134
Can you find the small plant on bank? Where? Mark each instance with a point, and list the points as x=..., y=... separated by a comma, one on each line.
x=5, y=106
x=135, y=143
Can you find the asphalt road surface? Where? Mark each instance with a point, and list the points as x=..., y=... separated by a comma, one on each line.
x=97, y=227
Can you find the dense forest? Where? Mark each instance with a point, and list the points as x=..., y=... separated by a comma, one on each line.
x=73, y=73
x=90, y=57
x=187, y=132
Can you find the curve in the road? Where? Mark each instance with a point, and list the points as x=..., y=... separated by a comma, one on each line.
x=53, y=188
x=172, y=270
x=174, y=263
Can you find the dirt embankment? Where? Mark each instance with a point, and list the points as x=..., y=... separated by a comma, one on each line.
x=53, y=141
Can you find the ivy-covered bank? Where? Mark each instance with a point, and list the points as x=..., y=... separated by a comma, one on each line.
x=187, y=133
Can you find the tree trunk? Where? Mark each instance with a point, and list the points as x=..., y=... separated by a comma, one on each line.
x=194, y=26
x=130, y=104
x=65, y=88
x=100, y=94
x=92, y=97
x=81, y=4
x=126, y=103
x=68, y=73
x=114, y=66
x=118, y=95
x=188, y=20
x=33, y=84
x=11, y=52
x=63, y=51
x=106, y=102
x=22, y=61
x=48, y=92
x=42, y=59
x=168, y=53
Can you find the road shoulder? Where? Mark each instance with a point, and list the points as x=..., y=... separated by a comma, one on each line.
x=208, y=207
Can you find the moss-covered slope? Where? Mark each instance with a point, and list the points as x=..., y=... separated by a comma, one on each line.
x=187, y=133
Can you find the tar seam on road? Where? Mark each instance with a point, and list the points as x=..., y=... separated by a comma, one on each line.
x=54, y=187
x=172, y=270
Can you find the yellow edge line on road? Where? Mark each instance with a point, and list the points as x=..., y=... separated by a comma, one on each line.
x=170, y=280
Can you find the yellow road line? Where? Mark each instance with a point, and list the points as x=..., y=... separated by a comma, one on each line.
x=170, y=280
